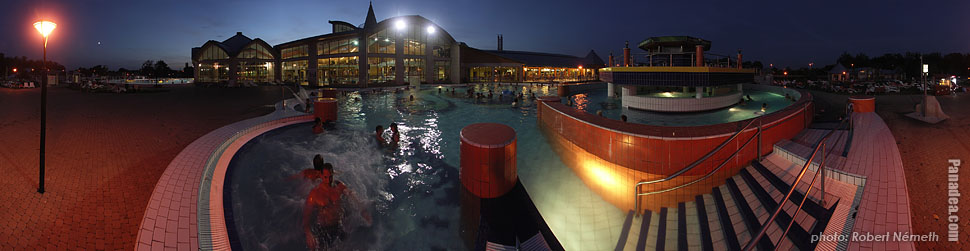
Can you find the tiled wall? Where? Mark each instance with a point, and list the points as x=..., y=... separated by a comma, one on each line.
x=611, y=156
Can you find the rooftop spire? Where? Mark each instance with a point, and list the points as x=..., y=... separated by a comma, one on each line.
x=370, y=21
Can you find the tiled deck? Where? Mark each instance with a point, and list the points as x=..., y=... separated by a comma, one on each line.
x=172, y=219
x=885, y=201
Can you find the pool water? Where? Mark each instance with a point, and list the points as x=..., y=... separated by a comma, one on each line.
x=599, y=101
x=412, y=192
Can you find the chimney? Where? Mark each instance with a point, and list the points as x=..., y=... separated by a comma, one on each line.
x=499, y=42
x=239, y=33
x=626, y=54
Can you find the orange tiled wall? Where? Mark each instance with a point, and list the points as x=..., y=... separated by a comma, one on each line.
x=611, y=156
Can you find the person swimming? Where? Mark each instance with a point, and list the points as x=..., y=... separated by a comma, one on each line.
x=317, y=125
x=379, y=135
x=323, y=210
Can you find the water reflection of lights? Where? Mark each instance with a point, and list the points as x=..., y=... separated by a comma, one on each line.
x=581, y=100
x=667, y=94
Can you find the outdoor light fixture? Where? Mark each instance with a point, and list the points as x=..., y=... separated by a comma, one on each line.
x=45, y=28
x=400, y=25
x=431, y=29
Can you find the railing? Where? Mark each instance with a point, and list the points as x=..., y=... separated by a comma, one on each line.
x=636, y=187
x=682, y=59
x=781, y=205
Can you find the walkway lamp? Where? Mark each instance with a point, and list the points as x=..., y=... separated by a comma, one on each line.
x=45, y=28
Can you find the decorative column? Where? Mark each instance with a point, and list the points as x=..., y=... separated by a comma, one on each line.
x=699, y=55
x=488, y=159
x=626, y=54
x=325, y=109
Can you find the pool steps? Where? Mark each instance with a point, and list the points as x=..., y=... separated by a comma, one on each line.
x=726, y=218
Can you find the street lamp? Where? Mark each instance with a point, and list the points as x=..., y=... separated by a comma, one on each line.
x=45, y=28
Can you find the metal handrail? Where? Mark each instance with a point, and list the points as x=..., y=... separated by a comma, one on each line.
x=709, y=174
x=781, y=205
x=636, y=187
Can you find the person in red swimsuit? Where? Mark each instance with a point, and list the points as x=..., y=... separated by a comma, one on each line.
x=312, y=174
x=317, y=126
x=323, y=211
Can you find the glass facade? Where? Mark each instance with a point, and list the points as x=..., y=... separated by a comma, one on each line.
x=294, y=52
x=380, y=42
x=347, y=45
x=380, y=70
x=549, y=74
x=414, y=68
x=213, y=73
x=255, y=72
x=441, y=49
x=493, y=74
x=442, y=70
x=337, y=71
x=415, y=39
x=295, y=72
x=213, y=53
x=255, y=51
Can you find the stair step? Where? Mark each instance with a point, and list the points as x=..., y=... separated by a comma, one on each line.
x=810, y=137
x=811, y=206
x=799, y=154
x=625, y=231
x=703, y=225
x=724, y=213
x=662, y=230
x=682, y=226
x=645, y=226
x=797, y=234
x=750, y=218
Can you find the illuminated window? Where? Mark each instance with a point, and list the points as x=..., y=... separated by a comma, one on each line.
x=294, y=52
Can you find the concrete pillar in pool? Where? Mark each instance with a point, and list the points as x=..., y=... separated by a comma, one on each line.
x=700, y=92
x=487, y=153
x=610, y=89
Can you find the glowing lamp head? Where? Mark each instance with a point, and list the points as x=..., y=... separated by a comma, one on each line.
x=431, y=29
x=14, y=69
x=45, y=27
x=400, y=25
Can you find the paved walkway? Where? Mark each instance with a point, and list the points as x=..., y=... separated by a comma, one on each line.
x=885, y=201
x=105, y=153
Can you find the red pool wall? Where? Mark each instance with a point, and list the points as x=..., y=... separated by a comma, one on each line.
x=628, y=153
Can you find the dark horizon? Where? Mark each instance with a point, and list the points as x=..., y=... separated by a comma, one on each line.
x=783, y=34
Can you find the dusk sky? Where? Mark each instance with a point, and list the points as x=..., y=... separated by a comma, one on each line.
x=784, y=32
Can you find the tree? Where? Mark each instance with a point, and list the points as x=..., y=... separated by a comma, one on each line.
x=188, y=71
x=148, y=68
x=162, y=69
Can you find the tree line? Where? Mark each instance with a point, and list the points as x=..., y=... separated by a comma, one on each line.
x=26, y=67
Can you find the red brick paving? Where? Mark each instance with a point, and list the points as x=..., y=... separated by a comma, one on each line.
x=924, y=149
x=105, y=152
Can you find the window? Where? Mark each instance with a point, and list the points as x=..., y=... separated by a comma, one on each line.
x=255, y=71
x=295, y=72
x=256, y=51
x=213, y=53
x=380, y=42
x=380, y=70
x=442, y=70
x=339, y=71
x=294, y=52
x=213, y=73
x=349, y=45
x=414, y=68
x=415, y=38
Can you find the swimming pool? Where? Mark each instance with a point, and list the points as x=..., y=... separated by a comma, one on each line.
x=413, y=191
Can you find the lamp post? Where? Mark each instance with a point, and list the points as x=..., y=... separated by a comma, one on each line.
x=44, y=27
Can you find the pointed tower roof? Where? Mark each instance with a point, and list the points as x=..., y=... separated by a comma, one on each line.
x=370, y=21
x=593, y=60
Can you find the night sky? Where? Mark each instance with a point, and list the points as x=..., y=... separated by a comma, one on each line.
x=786, y=33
